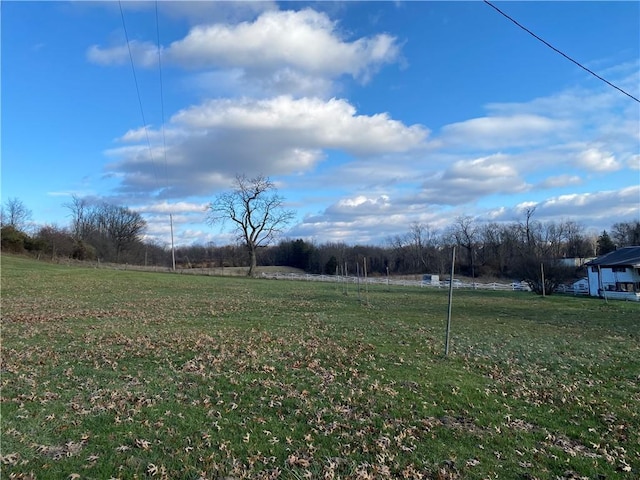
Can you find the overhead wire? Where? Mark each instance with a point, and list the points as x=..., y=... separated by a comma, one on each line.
x=135, y=79
x=164, y=138
x=560, y=52
x=144, y=122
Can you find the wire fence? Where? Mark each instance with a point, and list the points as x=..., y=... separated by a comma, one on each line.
x=394, y=282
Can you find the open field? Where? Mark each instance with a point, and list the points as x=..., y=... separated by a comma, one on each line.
x=124, y=374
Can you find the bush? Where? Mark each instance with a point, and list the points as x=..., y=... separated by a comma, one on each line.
x=13, y=240
x=83, y=251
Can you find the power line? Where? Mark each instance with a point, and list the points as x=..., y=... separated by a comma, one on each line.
x=135, y=79
x=144, y=122
x=164, y=139
x=560, y=52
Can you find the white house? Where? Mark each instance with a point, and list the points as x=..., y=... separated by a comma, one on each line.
x=616, y=275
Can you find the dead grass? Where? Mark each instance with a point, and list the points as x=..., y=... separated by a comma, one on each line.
x=112, y=374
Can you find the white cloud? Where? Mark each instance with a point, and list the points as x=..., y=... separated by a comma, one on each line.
x=558, y=181
x=304, y=40
x=278, y=136
x=497, y=132
x=469, y=180
x=315, y=122
x=360, y=205
x=172, y=208
x=623, y=203
x=595, y=159
x=144, y=53
x=280, y=51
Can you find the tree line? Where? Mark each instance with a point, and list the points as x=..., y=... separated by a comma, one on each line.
x=98, y=231
x=526, y=250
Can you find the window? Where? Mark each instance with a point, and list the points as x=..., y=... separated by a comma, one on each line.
x=619, y=269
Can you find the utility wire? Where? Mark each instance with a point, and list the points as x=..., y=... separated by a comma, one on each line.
x=560, y=52
x=164, y=139
x=135, y=78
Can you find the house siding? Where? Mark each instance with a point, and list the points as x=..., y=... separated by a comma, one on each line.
x=616, y=277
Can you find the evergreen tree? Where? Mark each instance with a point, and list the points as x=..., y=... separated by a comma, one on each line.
x=605, y=244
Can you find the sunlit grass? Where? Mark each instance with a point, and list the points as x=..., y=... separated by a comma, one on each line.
x=122, y=374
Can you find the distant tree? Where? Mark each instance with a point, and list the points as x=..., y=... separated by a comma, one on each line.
x=541, y=247
x=576, y=243
x=256, y=211
x=423, y=245
x=626, y=234
x=106, y=231
x=465, y=233
x=294, y=253
x=81, y=212
x=57, y=242
x=605, y=244
x=15, y=214
x=122, y=226
x=331, y=266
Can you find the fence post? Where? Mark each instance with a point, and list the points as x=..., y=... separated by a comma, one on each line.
x=453, y=262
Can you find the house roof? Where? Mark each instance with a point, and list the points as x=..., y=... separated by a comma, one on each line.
x=626, y=256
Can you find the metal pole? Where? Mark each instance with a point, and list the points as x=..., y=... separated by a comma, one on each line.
x=173, y=250
x=542, y=273
x=453, y=262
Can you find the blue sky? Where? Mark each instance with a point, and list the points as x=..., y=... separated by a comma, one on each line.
x=369, y=116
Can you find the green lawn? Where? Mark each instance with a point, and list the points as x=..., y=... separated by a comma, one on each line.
x=121, y=374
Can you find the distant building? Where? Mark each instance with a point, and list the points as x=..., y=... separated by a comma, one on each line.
x=429, y=279
x=616, y=275
x=575, y=261
x=581, y=287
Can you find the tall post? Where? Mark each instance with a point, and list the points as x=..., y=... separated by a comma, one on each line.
x=453, y=263
x=173, y=250
x=542, y=274
x=387, y=278
x=601, y=285
x=366, y=281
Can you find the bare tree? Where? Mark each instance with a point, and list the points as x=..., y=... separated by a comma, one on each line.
x=423, y=241
x=466, y=232
x=626, y=234
x=15, y=214
x=256, y=211
x=80, y=212
x=122, y=226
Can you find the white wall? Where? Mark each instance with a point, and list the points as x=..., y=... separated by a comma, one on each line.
x=609, y=277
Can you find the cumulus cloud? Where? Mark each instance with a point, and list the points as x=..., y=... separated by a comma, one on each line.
x=315, y=122
x=304, y=40
x=278, y=136
x=279, y=51
x=597, y=160
x=469, y=180
x=360, y=205
x=605, y=205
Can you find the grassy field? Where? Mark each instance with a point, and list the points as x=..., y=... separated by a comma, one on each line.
x=122, y=374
